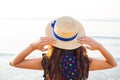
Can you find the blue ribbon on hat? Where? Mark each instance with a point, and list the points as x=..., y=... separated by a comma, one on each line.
x=61, y=38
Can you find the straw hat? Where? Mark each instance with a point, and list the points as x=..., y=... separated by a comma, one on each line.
x=65, y=30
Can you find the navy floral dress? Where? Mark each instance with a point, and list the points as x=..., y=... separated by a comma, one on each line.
x=69, y=66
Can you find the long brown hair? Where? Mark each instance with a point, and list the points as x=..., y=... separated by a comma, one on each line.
x=52, y=63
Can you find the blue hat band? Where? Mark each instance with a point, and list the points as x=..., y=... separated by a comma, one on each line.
x=61, y=38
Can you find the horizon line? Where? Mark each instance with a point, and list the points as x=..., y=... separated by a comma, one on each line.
x=45, y=18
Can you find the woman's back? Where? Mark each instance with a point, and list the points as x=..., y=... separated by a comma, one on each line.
x=66, y=64
x=69, y=66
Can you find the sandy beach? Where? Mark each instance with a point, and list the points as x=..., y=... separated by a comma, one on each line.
x=10, y=73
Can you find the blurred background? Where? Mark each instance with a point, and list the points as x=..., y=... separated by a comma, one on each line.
x=23, y=22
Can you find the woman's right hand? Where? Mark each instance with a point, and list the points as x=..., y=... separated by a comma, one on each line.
x=42, y=42
x=34, y=63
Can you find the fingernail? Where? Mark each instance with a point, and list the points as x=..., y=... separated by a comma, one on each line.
x=54, y=40
x=78, y=38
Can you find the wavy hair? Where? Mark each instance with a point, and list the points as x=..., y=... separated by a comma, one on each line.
x=52, y=63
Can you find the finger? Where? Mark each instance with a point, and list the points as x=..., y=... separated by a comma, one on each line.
x=88, y=47
x=85, y=42
x=44, y=49
x=42, y=39
x=84, y=38
x=47, y=43
x=46, y=39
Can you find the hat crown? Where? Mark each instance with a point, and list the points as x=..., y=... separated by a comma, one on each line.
x=65, y=30
x=66, y=27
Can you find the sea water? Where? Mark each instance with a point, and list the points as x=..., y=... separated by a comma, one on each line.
x=18, y=34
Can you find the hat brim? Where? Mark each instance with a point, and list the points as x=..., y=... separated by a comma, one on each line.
x=69, y=45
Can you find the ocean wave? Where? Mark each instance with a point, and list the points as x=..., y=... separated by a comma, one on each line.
x=107, y=37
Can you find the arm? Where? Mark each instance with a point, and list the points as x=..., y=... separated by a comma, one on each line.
x=108, y=61
x=98, y=64
x=20, y=60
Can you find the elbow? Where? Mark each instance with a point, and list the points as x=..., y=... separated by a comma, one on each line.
x=11, y=63
x=114, y=65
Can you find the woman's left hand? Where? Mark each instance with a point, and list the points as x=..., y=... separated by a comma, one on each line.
x=98, y=64
x=89, y=42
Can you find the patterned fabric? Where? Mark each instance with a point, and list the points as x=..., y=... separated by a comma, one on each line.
x=69, y=66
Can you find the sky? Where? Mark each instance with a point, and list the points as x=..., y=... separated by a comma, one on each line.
x=101, y=9
x=22, y=21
